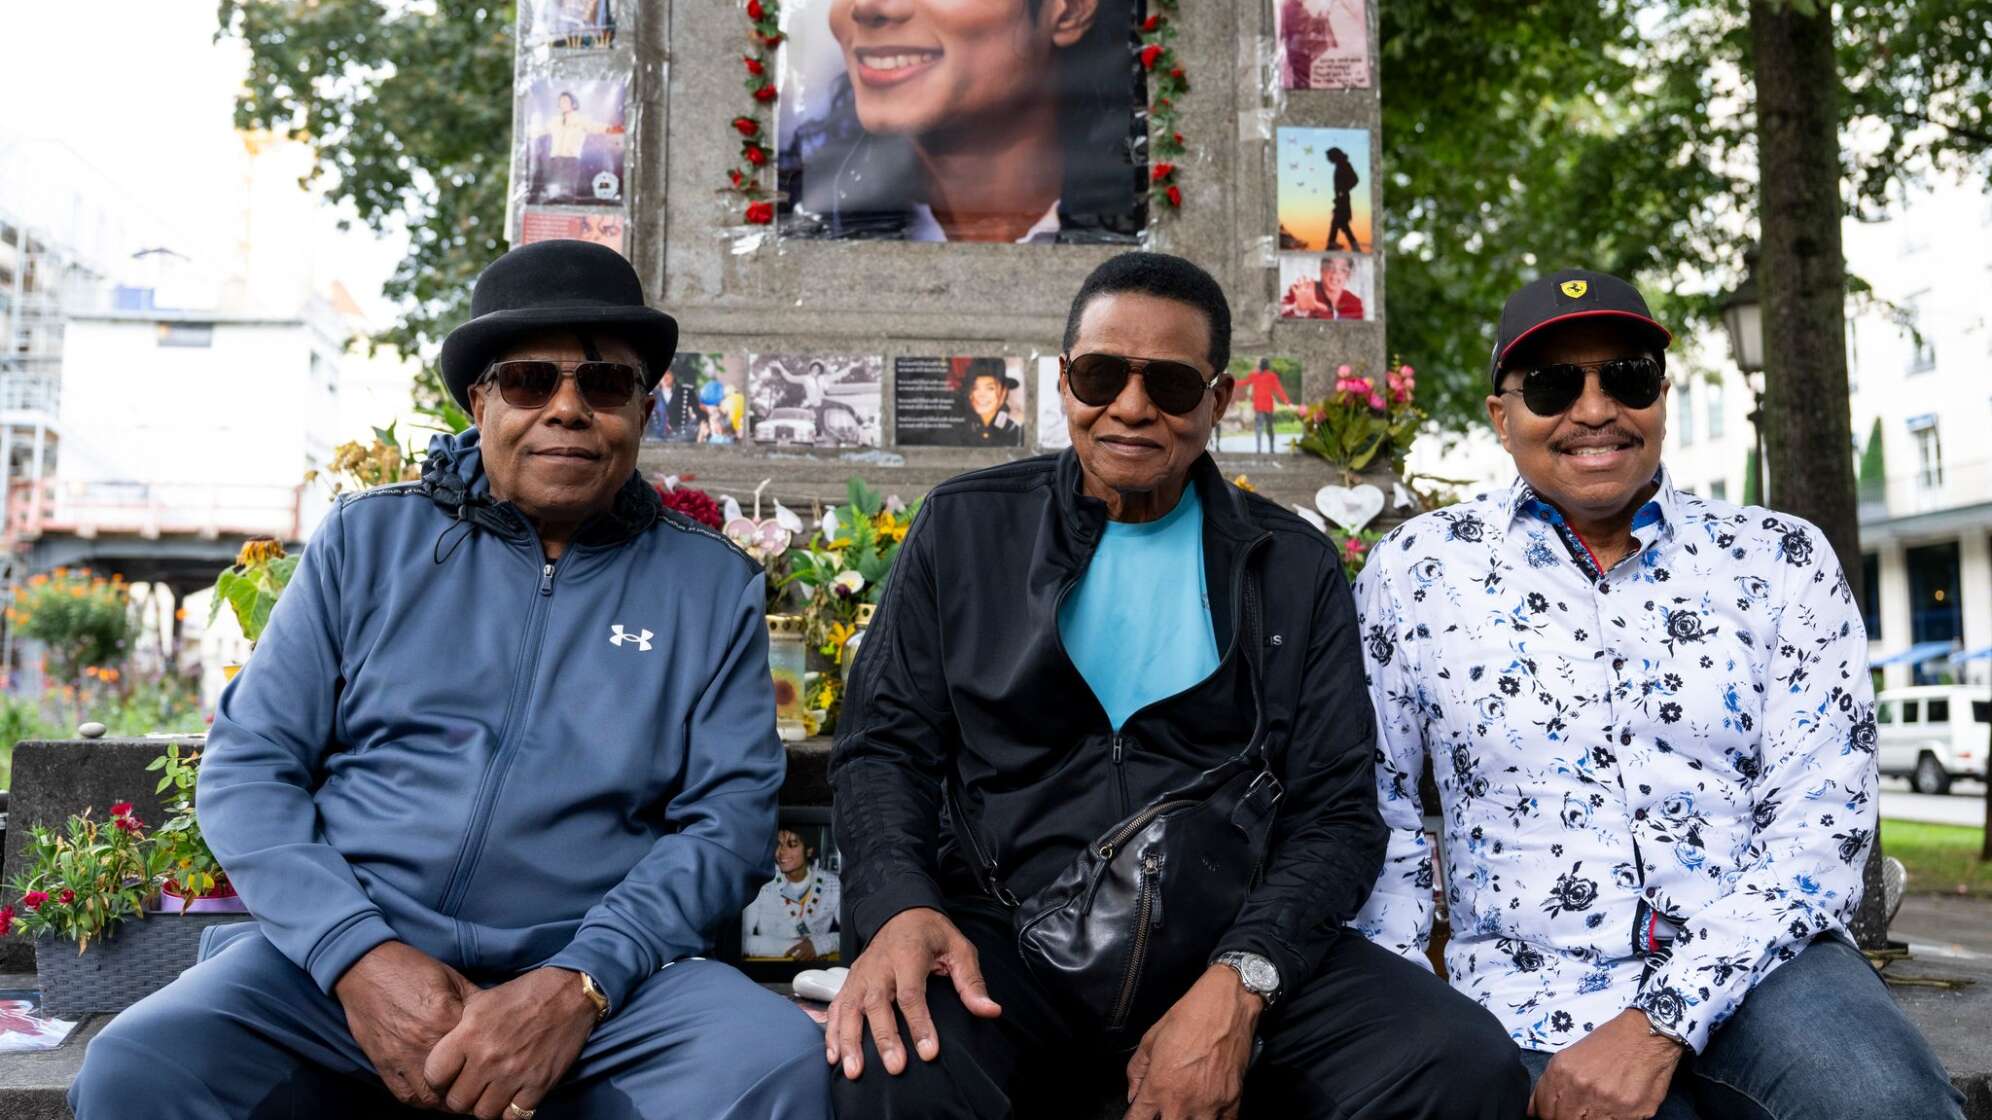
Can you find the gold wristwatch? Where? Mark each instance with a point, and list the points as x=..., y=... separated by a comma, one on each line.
x=595, y=996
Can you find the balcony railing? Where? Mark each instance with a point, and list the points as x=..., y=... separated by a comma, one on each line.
x=151, y=510
x=30, y=390
x=1955, y=485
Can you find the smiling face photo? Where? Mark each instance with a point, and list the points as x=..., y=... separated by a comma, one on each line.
x=960, y=120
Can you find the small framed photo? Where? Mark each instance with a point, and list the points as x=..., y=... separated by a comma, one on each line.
x=793, y=923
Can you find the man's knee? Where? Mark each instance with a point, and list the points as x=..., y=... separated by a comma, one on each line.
x=136, y=1060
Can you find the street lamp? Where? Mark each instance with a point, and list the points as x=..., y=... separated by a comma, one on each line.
x=1743, y=320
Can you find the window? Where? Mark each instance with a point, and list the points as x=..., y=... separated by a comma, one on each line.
x=186, y=334
x=1929, y=452
x=1719, y=490
x=1911, y=710
x=1717, y=422
x=1922, y=352
x=1885, y=712
x=1981, y=711
x=1684, y=415
x=1939, y=711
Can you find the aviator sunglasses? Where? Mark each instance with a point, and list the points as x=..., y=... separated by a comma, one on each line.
x=1097, y=380
x=1551, y=390
x=532, y=382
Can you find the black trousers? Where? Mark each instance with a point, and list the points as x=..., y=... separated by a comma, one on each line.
x=1369, y=1036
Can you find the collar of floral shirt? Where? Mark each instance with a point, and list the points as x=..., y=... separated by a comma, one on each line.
x=1662, y=509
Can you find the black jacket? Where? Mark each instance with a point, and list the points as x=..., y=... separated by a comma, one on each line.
x=963, y=669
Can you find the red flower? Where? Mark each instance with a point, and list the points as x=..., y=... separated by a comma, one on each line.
x=66, y=897
x=1161, y=171
x=754, y=66
x=754, y=11
x=122, y=808
x=33, y=899
x=1176, y=136
x=760, y=214
x=1176, y=73
x=6, y=920
x=766, y=93
x=756, y=154
x=772, y=41
x=1175, y=195
x=1151, y=23
x=693, y=503
x=734, y=174
x=1149, y=54
x=746, y=126
x=129, y=824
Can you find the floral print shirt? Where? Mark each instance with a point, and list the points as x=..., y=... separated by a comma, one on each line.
x=1658, y=782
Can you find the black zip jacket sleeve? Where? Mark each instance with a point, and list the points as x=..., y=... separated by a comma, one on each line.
x=892, y=748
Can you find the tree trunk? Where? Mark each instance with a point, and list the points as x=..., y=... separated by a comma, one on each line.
x=1808, y=418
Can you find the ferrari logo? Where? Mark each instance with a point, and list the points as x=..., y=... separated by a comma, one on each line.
x=1575, y=289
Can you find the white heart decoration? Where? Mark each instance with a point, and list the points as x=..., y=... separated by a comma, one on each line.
x=1350, y=507
x=1311, y=517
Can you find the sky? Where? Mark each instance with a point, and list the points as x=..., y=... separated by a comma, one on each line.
x=149, y=112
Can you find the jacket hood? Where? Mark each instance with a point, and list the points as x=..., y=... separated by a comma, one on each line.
x=455, y=465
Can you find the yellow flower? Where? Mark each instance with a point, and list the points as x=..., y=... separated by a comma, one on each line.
x=259, y=550
x=839, y=634
x=1245, y=484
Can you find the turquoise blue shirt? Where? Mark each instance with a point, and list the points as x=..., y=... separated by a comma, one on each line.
x=1137, y=624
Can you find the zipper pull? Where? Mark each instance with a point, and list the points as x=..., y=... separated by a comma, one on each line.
x=546, y=579
x=1117, y=750
x=1151, y=876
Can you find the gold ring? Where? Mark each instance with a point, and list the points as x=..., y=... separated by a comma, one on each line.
x=514, y=1112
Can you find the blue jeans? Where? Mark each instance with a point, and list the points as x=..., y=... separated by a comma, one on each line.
x=1818, y=1038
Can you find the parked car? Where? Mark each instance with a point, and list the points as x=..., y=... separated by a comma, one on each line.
x=786, y=425
x=1931, y=734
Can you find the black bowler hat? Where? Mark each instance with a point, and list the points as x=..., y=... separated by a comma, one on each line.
x=1573, y=293
x=552, y=284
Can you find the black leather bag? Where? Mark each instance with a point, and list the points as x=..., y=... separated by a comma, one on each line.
x=1130, y=924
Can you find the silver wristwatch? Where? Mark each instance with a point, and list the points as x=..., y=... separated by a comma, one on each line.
x=1257, y=973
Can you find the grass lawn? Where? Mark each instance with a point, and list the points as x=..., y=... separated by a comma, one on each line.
x=1941, y=858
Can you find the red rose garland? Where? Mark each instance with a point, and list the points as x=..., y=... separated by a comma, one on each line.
x=1167, y=81
x=744, y=178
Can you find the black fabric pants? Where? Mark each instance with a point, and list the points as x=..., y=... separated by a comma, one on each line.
x=1369, y=1036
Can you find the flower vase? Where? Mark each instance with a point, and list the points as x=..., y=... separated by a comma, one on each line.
x=857, y=639
x=788, y=664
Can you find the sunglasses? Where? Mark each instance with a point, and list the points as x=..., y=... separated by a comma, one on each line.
x=532, y=382
x=1097, y=380
x=1551, y=390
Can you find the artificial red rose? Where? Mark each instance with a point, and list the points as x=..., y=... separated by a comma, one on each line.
x=754, y=66
x=766, y=93
x=734, y=174
x=1149, y=55
x=756, y=154
x=746, y=126
x=772, y=41
x=693, y=503
x=120, y=809
x=33, y=899
x=66, y=897
x=1151, y=23
x=760, y=214
x=1176, y=136
x=1175, y=195
x=6, y=920
x=754, y=11
x=1160, y=172
x=1176, y=73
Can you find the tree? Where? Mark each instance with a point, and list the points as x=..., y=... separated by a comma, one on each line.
x=1873, y=476
x=408, y=111
x=1621, y=134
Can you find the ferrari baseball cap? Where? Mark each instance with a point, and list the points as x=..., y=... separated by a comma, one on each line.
x=1568, y=295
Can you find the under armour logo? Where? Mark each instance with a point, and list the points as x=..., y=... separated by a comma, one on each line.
x=618, y=637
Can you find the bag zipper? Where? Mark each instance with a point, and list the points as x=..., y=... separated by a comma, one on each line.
x=1144, y=912
x=1120, y=836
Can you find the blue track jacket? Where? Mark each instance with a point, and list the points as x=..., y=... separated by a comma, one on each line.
x=443, y=739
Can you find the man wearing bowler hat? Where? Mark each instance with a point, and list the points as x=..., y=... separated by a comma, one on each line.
x=473, y=892
x=1649, y=720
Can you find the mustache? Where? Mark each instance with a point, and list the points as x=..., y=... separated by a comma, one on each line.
x=1616, y=433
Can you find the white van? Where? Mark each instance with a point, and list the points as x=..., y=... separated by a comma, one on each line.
x=1933, y=733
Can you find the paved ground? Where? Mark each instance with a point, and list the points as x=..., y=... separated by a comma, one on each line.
x=1964, y=805
x=1945, y=926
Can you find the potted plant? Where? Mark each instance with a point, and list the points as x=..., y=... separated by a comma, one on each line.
x=839, y=573
x=89, y=884
x=191, y=879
